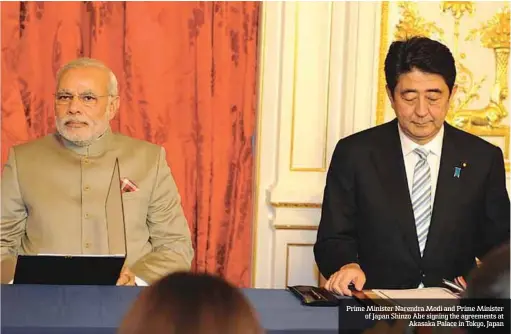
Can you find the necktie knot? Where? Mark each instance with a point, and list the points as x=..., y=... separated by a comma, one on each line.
x=421, y=152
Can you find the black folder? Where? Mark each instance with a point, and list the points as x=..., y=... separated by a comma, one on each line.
x=313, y=296
x=68, y=269
x=82, y=269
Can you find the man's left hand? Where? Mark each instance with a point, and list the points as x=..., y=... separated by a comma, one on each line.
x=126, y=277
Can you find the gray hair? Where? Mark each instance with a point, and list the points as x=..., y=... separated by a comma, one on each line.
x=113, y=89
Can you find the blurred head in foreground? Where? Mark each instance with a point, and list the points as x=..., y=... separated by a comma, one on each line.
x=491, y=280
x=489, y=285
x=190, y=303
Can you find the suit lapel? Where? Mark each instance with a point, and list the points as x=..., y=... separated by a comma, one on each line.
x=446, y=190
x=389, y=162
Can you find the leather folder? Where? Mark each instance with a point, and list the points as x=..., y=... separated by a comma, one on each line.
x=313, y=296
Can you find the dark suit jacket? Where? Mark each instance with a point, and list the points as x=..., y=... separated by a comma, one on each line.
x=367, y=214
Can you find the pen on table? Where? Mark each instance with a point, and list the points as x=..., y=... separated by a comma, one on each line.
x=318, y=296
x=453, y=285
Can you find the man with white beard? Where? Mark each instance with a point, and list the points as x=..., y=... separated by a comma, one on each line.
x=54, y=188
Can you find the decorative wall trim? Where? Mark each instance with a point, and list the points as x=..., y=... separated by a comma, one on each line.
x=259, y=115
x=287, y=260
x=295, y=205
x=327, y=103
x=296, y=227
x=384, y=43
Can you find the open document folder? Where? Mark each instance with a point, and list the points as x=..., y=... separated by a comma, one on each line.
x=424, y=293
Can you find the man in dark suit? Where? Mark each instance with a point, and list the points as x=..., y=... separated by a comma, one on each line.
x=415, y=200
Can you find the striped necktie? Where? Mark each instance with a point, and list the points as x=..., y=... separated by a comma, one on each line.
x=421, y=197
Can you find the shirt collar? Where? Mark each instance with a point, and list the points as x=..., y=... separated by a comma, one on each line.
x=434, y=146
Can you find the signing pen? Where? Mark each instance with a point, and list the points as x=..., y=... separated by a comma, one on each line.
x=452, y=285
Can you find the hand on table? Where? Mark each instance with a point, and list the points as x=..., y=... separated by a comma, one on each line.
x=126, y=277
x=349, y=273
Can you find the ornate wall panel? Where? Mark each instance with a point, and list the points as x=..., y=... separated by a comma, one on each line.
x=314, y=74
x=321, y=80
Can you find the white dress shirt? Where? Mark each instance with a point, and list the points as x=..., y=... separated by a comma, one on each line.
x=410, y=158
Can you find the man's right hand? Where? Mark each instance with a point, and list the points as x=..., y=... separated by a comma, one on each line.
x=126, y=277
x=7, y=268
x=349, y=273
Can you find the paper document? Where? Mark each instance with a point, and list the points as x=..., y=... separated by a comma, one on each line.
x=424, y=293
x=423, y=298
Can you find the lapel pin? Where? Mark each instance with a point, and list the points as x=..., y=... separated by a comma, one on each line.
x=457, y=172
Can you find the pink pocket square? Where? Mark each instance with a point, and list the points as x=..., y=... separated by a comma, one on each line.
x=128, y=186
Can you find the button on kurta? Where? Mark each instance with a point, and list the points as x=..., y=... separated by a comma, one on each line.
x=95, y=180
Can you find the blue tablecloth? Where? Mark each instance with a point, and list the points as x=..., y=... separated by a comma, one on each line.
x=31, y=309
